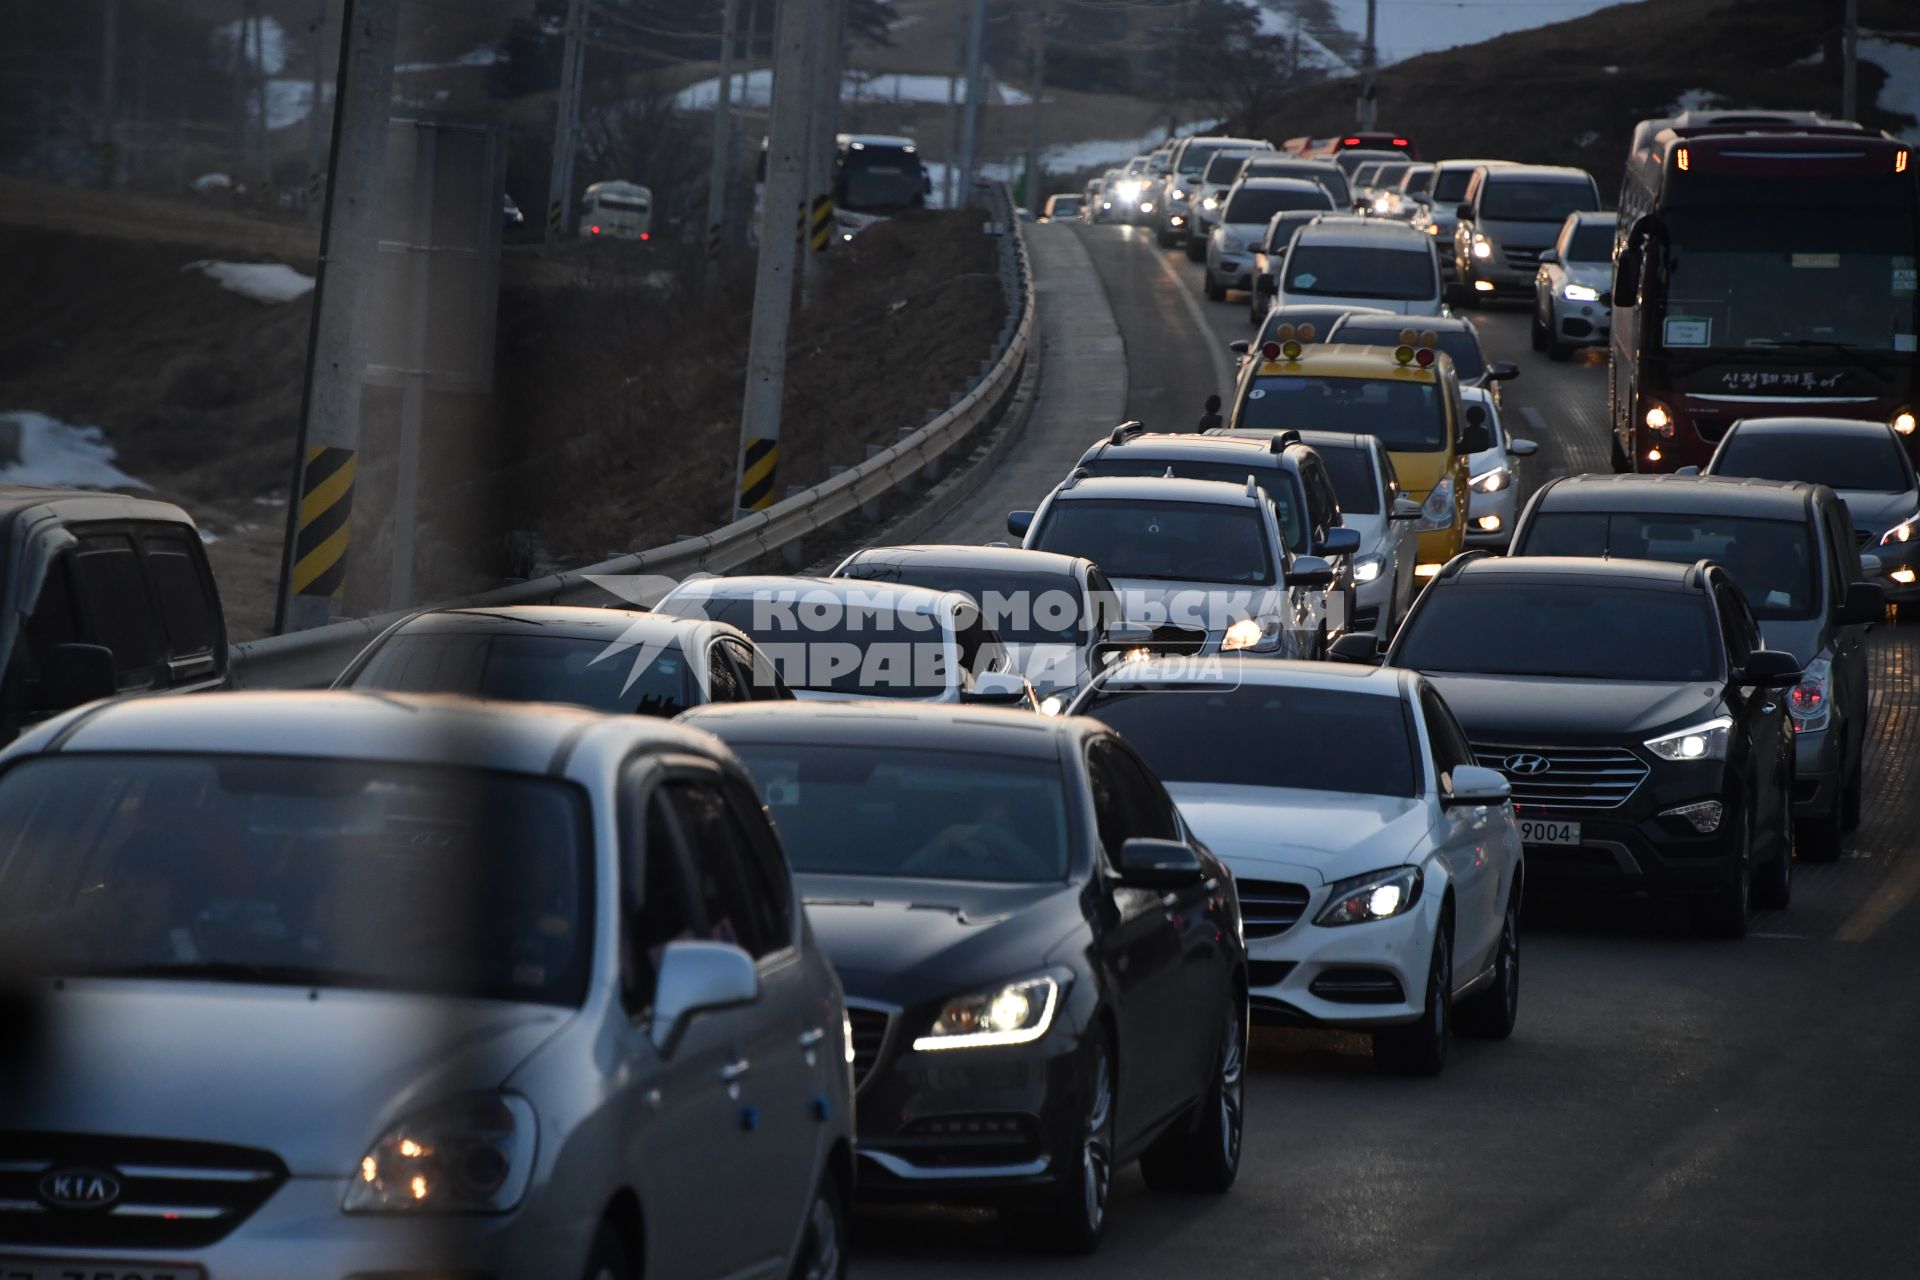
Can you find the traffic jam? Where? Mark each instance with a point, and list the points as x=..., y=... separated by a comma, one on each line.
x=679, y=940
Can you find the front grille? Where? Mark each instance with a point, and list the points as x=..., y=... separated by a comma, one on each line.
x=1358, y=986
x=870, y=1027
x=1168, y=638
x=1270, y=907
x=1521, y=259
x=981, y=1138
x=1589, y=778
x=1268, y=973
x=171, y=1194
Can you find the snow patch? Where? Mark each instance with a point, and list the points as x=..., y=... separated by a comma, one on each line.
x=261, y=281
x=1697, y=100
x=37, y=449
x=290, y=102
x=753, y=89
x=212, y=182
x=1313, y=54
x=1900, y=95
x=270, y=56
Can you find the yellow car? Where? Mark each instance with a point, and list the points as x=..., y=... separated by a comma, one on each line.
x=1406, y=396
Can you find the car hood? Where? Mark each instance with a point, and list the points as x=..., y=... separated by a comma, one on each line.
x=1595, y=275
x=904, y=941
x=1315, y=837
x=1877, y=512
x=1372, y=530
x=314, y=1078
x=1532, y=710
x=1419, y=472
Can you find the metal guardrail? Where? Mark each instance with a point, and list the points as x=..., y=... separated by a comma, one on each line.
x=311, y=659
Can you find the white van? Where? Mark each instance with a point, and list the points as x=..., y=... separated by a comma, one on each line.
x=616, y=210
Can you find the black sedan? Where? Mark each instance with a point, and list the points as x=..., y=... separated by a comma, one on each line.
x=1045, y=972
x=1636, y=715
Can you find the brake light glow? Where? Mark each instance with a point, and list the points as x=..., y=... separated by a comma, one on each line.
x=596, y=231
x=1351, y=142
x=646, y=235
x=1399, y=142
x=1900, y=160
x=1681, y=159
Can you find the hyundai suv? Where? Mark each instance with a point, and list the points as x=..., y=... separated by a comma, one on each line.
x=1508, y=218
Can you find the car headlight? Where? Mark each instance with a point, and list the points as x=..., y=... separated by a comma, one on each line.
x=1146, y=206
x=1809, y=701
x=1382, y=204
x=1368, y=567
x=1705, y=741
x=1210, y=202
x=1482, y=247
x=1252, y=633
x=1905, y=423
x=1581, y=293
x=1492, y=481
x=1437, y=511
x=1659, y=421
x=1902, y=532
x=1378, y=895
x=1178, y=194
x=1052, y=705
x=471, y=1155
x=1432, y=228
x=1017, y=1013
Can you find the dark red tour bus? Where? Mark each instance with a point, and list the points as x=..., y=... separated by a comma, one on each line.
x=1763, y=265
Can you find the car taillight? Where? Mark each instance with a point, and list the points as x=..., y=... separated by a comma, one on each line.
x=1807, y=701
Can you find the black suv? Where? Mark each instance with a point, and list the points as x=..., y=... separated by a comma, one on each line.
x=1635, y=714
x=101, y=594
x=1793, y=550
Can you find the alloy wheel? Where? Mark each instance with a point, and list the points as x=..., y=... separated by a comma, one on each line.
x=1096, y=1155
x=820, y=1250
x=1233, y=1083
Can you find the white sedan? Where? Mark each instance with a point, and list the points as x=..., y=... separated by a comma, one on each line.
x=1494, y=472
x=1379, y=868
x=1568, y=290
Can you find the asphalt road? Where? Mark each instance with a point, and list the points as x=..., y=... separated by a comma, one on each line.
x=1668, y=1106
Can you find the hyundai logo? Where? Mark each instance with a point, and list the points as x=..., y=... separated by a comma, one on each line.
x=1527, y=764
x=79, y=1189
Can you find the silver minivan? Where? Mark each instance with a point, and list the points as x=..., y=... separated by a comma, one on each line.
x=1361, y=262
x=341, y=984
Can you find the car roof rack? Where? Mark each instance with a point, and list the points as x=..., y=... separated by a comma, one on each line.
x=1281, y=439
x=1253, y=485
x=1697, y=573
x=1126, y=431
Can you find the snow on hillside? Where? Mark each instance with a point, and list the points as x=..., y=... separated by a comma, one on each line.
x=1408, y=28
x=751, y=89
x=1901, y=92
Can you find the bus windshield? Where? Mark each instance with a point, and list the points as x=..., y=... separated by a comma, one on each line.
x=881, y=179
x=1784, y=277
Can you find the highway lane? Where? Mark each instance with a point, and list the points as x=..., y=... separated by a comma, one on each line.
x=1668, y=1106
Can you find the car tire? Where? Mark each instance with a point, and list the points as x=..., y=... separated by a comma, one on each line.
x=1196, y=250
x=1419, y=1048
x=1071, y=1215
x=1490, y=1014
x=607, y=1259
x=1539, y=333
x=1773, y=890
x=1206, y=1155
x=1214, y=291
x=823, y=1244
x=1850, y=795
x=1819, y=839
x=1726, y=913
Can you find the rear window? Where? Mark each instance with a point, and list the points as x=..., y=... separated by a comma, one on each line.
x=1579, y=632
x=1870, y=464
x=1450, y=187
x=650, y=680
x=1360, y=271
x=1522, y=200
x=1274, y=482
x=1405, y=415
x=1590, y=242
x=1225, y=166
x=1771, y=560
x=1461, y=344
x=1167, y=541
x=1257, y=204
x=1416, y=181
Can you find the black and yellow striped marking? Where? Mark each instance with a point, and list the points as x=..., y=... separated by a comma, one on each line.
x=553, y=216
x=713, y=241
x=326, y=508
x=822, y=222
x=756, y=474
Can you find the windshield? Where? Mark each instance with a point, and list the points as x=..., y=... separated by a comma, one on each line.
x=316, y=873
x=1591, y=242
x=881, y=180
x=1360, y=271
x=1778, y=277
x=1224, y=167
x=914, y=814
x=1274, y=482
x=1285, y=226
x=1065, y=204
x=1354, y=481
x=1022, y=608
x=1257, y=204
x=1417, y=181
x=1405, y=415
x=1257, y=735
x=1365, y=174
x=530, y=668
x=1389, y=175
x=1771, y=560
x=1524, y=200
x=1583, y=632
x=1350, y=161
x=1450, y=187
x=1170, y=541
x=1463, y=345
x=1195, y=157
x=1840, y=460
x=1328, y=176
x=824, y=645
x=621, y=204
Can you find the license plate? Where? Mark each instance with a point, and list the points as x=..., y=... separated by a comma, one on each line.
x=1532, y=831
x=95, y=1269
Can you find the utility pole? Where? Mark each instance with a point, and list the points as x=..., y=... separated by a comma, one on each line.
x=566, y=126
x=1034, y=197
x=722, y=140
x=951, y=155
x=970, y=113
x=317, y=120
x=796, y=22
x=1850, y=59
x=241, y=90
x=320, y=501
x=262, y=136
x=823, y=141
x=1366, y=110
x=109, y=65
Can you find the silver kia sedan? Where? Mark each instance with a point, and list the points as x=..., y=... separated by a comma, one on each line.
x=336, y=984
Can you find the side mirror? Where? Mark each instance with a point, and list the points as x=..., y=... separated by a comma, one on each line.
x=1475, y=438
x=1456, y=295
x=1158, y=864
x=1626, y=276
x=696, y=978
x=1502, y=371
x=76, y=673
x=1240, y=346
x=1405, y=509
x=1018, y=522
x=1310, y=571
x=1549, y=255
x=1866, y=602
x=1871, y=565
x=1357, y=646
x=1464, y=212
x=1689, y=470
x=1771, y=667
x=1340, y=542
x=1522, y=448
x=996, y=689
x=1472, y=784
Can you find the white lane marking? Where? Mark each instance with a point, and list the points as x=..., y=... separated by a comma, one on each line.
x=1222, y=373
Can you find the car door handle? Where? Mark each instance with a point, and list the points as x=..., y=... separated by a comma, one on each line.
x=812, y=1036
x=734, y=1071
